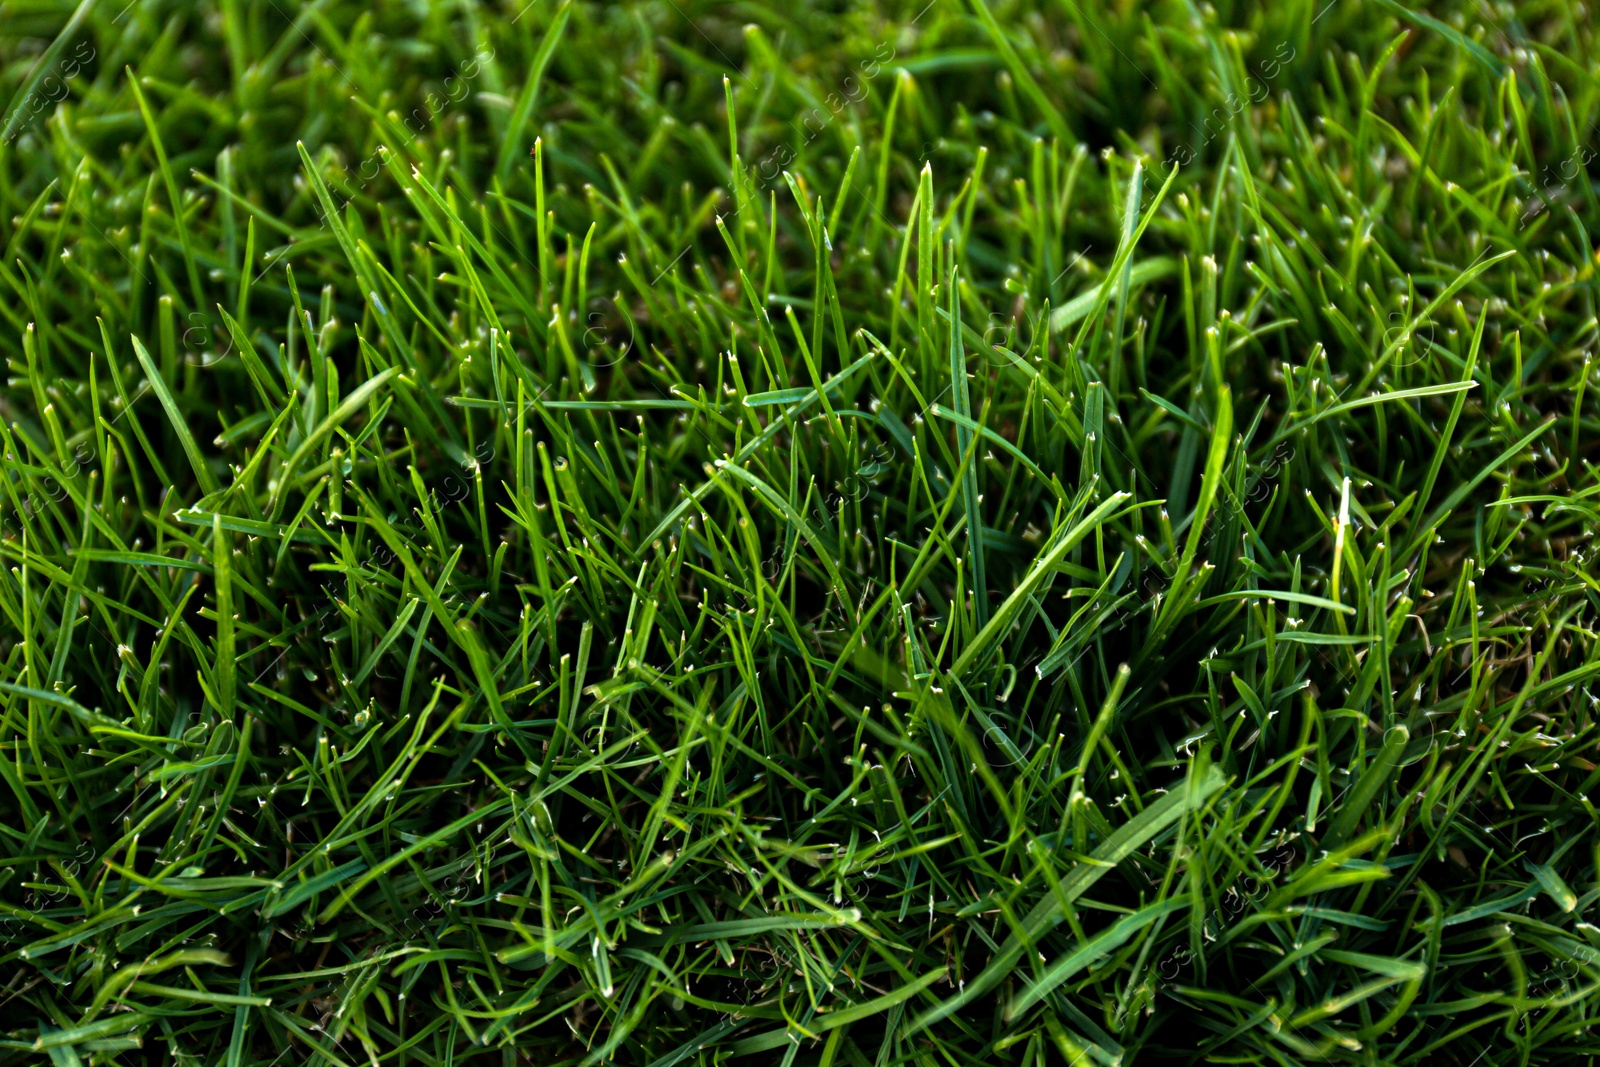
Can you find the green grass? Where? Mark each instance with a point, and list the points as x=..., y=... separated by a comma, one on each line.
x=970, y=532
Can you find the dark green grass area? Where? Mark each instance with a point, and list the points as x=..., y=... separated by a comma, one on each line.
x=666, y=533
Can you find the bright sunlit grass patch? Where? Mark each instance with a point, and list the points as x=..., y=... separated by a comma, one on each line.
x=939, y=533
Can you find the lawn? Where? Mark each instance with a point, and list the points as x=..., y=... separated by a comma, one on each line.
x=926, y=533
